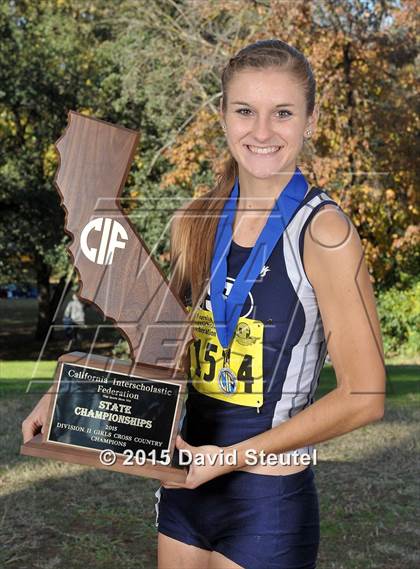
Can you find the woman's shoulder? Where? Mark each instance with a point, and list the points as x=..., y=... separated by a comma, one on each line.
x=331, y=236
x=327, y=228
x=330, y=226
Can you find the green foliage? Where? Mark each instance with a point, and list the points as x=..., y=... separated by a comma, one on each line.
x=151, y=211
x=399, y=313
x=40, y=83
x=50, y=63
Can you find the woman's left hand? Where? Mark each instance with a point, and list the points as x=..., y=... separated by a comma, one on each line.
x=207, y=462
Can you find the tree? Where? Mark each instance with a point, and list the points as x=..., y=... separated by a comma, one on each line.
x=363, y=55
x=48, y=66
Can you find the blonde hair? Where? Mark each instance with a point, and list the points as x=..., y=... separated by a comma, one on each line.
x=193, y=232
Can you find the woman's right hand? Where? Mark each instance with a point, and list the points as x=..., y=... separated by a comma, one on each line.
x=37, y=418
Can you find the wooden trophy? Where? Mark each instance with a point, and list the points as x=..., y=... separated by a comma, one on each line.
x=109, y=413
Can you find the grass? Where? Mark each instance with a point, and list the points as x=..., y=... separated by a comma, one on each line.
x=58, y=515
x=17, y=377
x=403, y=383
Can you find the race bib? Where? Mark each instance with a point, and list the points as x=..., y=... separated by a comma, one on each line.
x=206, y=357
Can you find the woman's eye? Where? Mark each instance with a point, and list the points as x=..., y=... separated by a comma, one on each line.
x=288, y=113
x=247, y=112
x=243, y=111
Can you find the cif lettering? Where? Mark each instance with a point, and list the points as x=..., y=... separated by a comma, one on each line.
x=112, y=231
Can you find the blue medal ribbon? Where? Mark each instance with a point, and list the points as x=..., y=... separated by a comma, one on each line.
x=227, y=311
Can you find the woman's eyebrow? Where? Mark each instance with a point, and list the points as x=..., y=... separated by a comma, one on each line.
x=248, y=105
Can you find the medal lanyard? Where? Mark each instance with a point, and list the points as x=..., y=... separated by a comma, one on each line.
x=227, y=311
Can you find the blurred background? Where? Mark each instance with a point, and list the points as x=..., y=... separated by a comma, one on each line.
x=154, y=66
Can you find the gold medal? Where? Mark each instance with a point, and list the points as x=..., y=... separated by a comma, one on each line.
x=227, y=380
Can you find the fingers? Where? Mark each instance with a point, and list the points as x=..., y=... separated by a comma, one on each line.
x=173, y=485
x=29, y=429
x=38, y=417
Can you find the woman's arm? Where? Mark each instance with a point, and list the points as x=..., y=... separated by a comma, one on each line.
x=335, y=266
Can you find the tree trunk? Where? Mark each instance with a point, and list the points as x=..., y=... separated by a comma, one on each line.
x=43, y=273
x=58, y=296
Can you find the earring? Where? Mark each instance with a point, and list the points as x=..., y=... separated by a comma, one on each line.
x=308, y=133
x=224, y=127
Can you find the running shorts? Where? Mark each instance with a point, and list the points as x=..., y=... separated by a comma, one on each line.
x=259, y=521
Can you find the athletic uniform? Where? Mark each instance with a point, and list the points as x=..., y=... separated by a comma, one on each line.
x=279, y=348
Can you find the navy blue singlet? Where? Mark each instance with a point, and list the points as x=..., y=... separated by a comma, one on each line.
x=294, y=345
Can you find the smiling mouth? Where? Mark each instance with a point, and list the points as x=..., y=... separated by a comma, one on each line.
x=263, y=150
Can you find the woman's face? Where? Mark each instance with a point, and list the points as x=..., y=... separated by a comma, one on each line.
x=265, y=121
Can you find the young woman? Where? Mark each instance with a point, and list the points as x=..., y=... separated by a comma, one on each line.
x=274, y=273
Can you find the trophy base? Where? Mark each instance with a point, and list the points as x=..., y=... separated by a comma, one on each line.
x=36, y=448
x=113, y=415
